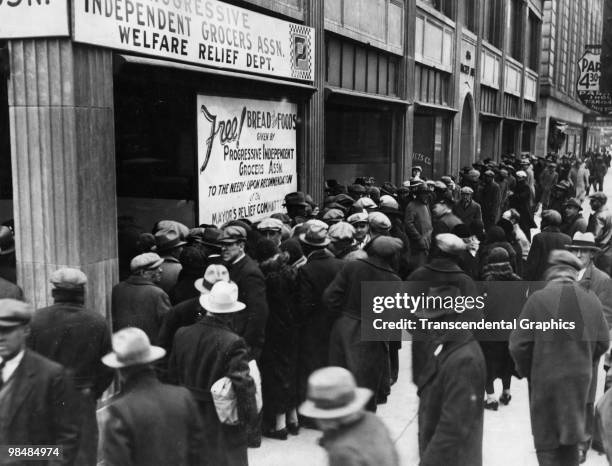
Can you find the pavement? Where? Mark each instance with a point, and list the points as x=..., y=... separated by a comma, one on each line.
x=507, y=436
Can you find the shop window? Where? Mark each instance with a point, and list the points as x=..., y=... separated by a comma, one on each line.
x=469, y=14
x=492, y=25
x=431, y=85
x=488, y=100
x=431, y=136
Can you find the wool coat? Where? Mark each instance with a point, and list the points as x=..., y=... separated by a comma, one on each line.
x=470, y=214
x=490, y=202
x=559, y=363
x=202, y=354
x=451, y=404
x=42, y=409
x=138, y=302
x=367, y=360
x=543, y=243
x=183, y=314
x=153, y=424
x=314, y=318
x=417, y=220
x=250, y=324
x=571, y=225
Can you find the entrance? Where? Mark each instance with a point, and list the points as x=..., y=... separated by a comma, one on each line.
x=467, y=133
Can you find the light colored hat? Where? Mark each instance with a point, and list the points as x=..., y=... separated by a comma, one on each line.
x=467, y=190
x=233, y=234
x=341, y=231
x=387, y=202
x=583, y=241
x=365, y=203
x=270, y=224
x=316, y=235
x=14, y=313
x=333, y=393
x=222, y=299
x=521, y=174
x=563, y=258
x=68, y=278
x=333, y=215
x=204, y=284
x=131, y=347
x=359, y=217
x=379, y=220
x=146, y=261
x=449, y=243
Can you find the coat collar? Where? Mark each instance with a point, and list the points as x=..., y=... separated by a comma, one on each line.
x=443, y=265
x=138, y=280
x=319, y=254
x=378, y=264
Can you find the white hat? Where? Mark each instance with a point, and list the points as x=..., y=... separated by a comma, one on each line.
x=205, y=283
x=146, y=261
x=270, y=224
x=359, y=217
x=449, y=243
x=521, y=174
x=222, y=299
x=131, y=347
x=365, y=203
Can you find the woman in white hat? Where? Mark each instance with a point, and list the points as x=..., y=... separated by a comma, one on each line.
x=207, y=351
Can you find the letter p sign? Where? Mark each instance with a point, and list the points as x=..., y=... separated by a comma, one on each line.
x=300, y=53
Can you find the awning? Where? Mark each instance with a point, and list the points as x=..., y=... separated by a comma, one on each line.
x=121, y=59
x=365, y=95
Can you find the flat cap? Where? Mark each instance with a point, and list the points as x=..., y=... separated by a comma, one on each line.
x=551, y=217
x=267, y=224
x=440, y=185
x=489, y=173
x=333, y=215
x=450, y=244
x=359, y=217
x=467, y=190
x=563, y=258
x=521, y=174
x=68, y=278
x=417, y=167
x=385, y=246
x=379, y=220
x=14, y=313
x=446, y=179
x=357, y=189
x=296, y=198
x=148, y=260
x=599, y=196
x=388, y=202
x=573, y=202
x=341, y=231
x=232, y=234
x=365, y=203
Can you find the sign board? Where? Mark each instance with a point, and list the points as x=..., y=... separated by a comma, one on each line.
x=33, y=18
x=204, y=32
x=587, y=86
x=246, y=157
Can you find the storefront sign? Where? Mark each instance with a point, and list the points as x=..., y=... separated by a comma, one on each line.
x=33, y=18
x=204, y=32
x=246, y=157
x=587, y=86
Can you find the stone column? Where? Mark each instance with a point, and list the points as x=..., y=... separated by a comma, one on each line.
x=63, y=159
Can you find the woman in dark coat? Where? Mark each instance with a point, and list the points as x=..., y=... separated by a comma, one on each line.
x=511, y=238
x=279, y=355
x=495, y=238
x=503, y=303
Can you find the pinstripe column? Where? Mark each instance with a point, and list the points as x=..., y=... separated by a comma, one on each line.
x=63, y=158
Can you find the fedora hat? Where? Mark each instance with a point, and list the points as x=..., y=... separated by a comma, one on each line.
x=222, y=299
x=211, y=276
x=573, y=202
x=332, y=394
x=168, y=239
x=131, y=347
x=583, y=241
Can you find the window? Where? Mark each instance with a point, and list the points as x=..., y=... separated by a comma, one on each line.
x=431, y=85
x=492, y=27
x=469, y=15
x=446, y=7
x=514, y=30
x=533, y=36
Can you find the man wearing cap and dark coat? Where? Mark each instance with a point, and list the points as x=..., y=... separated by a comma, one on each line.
x=351, y=435
x=296, y=205
x=76, y=337
x=490, y=200
x=549, y=239
x=149, y=423
x=467, y=209
x=314, y=317
x=417, y=220
x=559, y=362
x=244, y=271
x=367, y=360
x=169, y=246
x=38, y=403
x=573, y=221
x=193, y=261
x=522, y=201
x=138, y=301
x=202, y=354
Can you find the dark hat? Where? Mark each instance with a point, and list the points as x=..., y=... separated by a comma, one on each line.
x=600, y=197
x=385, y=246
x=68, y=278
x=265, y=249
x=168, y=239
x=233, y=234
x=573, y=202
x=7, y=240
x=446, y=179
x=462, y=231
x=563, y=258
x=344, y=200
x=388, y=188
x=357, y=189
x=193, y=259
x=296, y=198
x=208, y=236
x=498, y=255
x=551, y=217
x=14, y=313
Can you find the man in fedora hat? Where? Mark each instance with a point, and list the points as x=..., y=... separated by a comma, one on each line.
x=169, y=243
x=204, y=353
x=38, y=403
x=296, y=205
x=76, y=337
x=313, y=277
x=350, y=434
x=573, y=221
x=138, y=301
x=149, y=423
x=559, y=363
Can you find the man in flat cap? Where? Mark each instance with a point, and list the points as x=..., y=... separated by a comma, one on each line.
x=271, y=228
x=573, y=221
x=138, y=301
x=467, y=209
x=490, y=199
x=559, y=362
x=543, y=243
x=38, y=403
x=76, y=337
x=360, y=223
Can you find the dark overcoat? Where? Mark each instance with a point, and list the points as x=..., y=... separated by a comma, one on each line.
x=541, y=246
x=367, y=360
x=202, y=354
x=571, y=225
x=42, y=409
x=469, y=215
x=153, y=424
x=138, y=302
x=559, y=363
x=10, y=290
x=183, y=314
x=451, y=404
x=184, y=289
x=250, y=323
x=314, y=318
x=490, y=202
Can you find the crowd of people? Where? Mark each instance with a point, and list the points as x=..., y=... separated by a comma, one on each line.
x=225, y=333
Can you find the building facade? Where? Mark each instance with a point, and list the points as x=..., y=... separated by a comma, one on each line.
x=98, y=136
x=569, y=28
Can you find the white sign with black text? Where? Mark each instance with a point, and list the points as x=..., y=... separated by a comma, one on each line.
x=246, y=157
x=204, y=32
x=20, y=19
